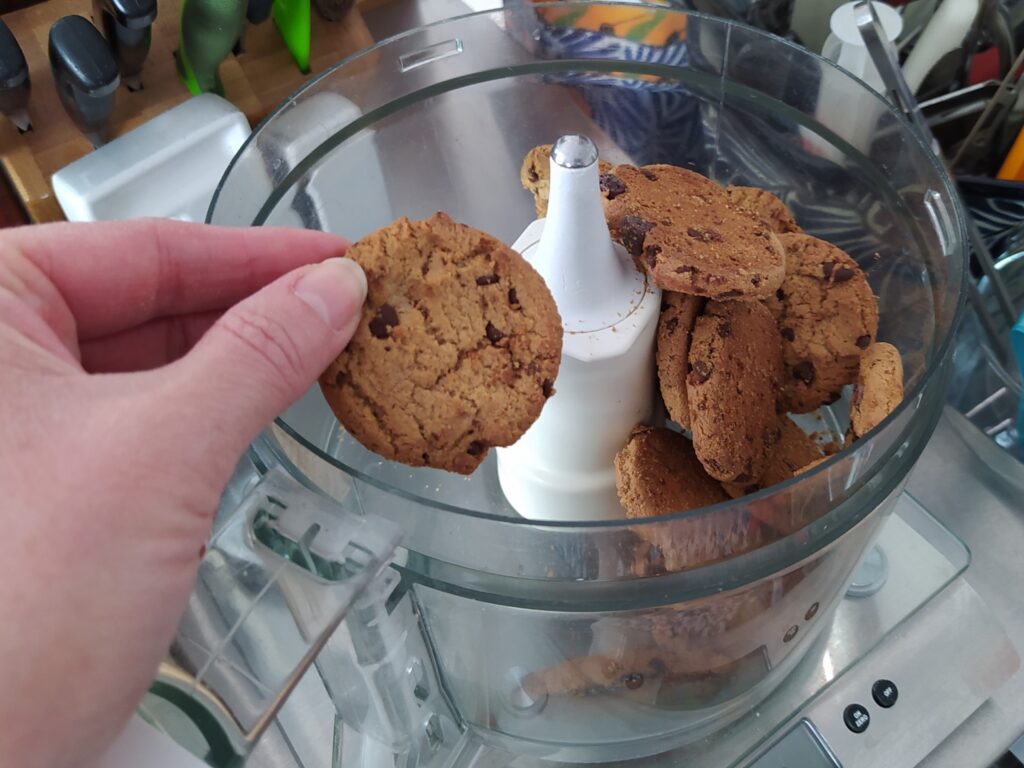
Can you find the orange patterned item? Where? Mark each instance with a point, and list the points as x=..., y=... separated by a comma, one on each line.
x=641, y=25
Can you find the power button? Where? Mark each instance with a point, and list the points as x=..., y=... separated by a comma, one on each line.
x=856, y=718
x=884, y=693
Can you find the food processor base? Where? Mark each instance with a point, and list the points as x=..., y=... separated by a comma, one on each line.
x=908, y=635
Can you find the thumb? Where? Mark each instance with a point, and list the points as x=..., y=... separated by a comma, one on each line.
x=265, y=352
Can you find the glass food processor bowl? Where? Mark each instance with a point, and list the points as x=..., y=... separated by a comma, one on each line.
x=610, y=640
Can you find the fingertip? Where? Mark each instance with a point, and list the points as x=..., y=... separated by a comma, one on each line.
x=335, y=289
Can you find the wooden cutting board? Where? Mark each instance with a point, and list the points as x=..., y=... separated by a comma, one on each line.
x=256, y=81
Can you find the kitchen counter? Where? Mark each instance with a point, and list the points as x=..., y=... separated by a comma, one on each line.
x=984, y=505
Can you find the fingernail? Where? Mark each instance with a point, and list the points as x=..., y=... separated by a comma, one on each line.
x=335, y=289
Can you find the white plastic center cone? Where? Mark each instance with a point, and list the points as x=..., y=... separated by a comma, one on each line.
x=563, y=468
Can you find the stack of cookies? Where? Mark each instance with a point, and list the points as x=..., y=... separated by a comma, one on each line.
x=759, y=320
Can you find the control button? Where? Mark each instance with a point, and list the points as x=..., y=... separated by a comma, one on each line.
x=856, y=718
x=884, y=693
x=790, y=633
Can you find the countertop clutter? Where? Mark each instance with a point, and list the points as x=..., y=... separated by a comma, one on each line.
x=255, y=76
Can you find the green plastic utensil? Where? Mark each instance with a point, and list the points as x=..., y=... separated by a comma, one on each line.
x=291, y=17
x=209, y=31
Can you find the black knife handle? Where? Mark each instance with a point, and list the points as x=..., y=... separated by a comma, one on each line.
x=15, y=84
x=127, y=25
x=258, y=11
x=85, y=73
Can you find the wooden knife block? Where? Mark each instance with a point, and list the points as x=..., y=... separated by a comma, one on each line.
x=256, y=81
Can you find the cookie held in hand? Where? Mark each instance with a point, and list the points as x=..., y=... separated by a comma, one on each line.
x=457, y=350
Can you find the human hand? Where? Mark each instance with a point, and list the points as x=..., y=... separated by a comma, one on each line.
x=137, y=361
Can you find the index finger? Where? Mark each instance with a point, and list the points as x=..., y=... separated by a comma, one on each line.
x=116, y=275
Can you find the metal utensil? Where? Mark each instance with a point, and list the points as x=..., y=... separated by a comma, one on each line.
x=978, y=144
x=899, y=92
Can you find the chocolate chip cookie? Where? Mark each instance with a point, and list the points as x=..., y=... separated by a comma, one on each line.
x=794, y=451
x=535, y=176
x=683, y=229
x=457, y=350
x=657, y=473
x=763, y=203
x=879, y=387
x=632, y=669
x=732, y=389
x=827, y=317
x=675, y=324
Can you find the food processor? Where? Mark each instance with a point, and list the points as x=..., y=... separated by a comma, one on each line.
x=354, y=611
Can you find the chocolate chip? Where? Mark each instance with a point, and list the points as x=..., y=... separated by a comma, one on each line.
x=755, y=280
x=704, y=235
x=684, y=270
x=842, y=274
x=513, y=297
x=532, y=175
x=655, y=560
x=611, y=185
x=657, y=666
x=426, y=457
x=724, y=329
x=780, y=295
x=731, y=294
x=475, y=448
x=804, y=371
x=863, y=341
x=547, y=387
x=701, y=372
x=742, y=477
x=385, y=319
x=487, y=280
x=649, y=174
x=833, y=398
x=827, y=268
x=493, y=334
x=788, y=334
x=672, y=324
x=341, y=378
x=651, y=255
x=633, y=680
x=632, y=232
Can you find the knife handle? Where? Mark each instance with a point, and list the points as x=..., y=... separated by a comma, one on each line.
x=209, y=31
x=258, y=11
x=128, y=29
x=85, y=73
x=14, y=80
